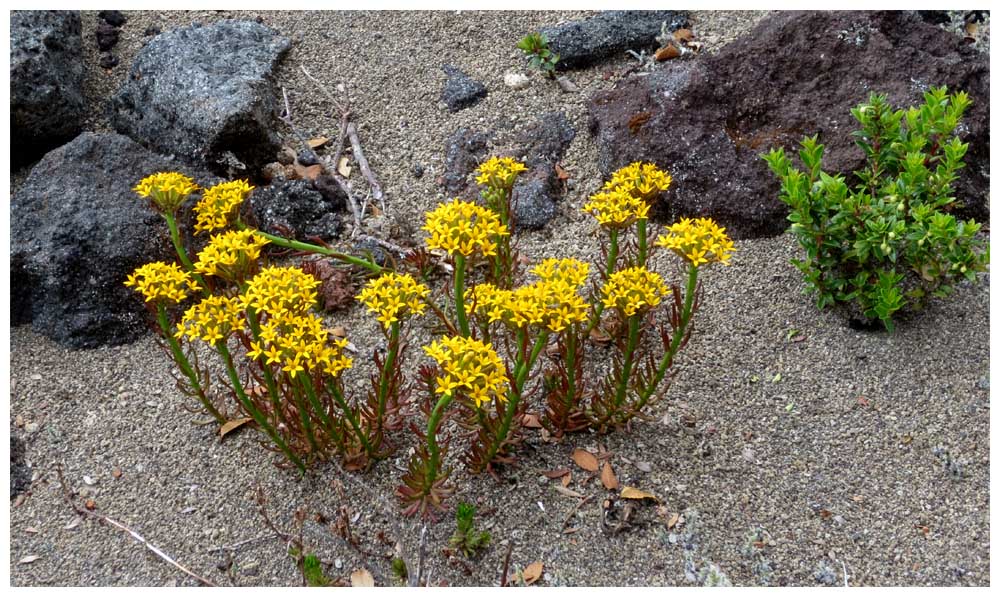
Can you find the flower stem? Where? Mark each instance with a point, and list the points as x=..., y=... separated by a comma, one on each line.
x=463, y=320
x=281, y=241
x=630, y=346
x=675, y=342
x=608, y=270
x=349, y=414
x=175, y=238
x=521, y=369
x=570, y=398
x=434, y=452
x=272, y=386
x=184, y=364
x=387, y=371
x=251, y=408
x=641, y=227
x=307, y=385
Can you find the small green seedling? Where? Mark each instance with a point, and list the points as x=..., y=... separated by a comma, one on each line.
x=312, y=570
x=536, y=47
x=466, y=537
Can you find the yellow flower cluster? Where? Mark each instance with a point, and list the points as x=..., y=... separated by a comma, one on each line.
x=469, y=366
x=699, y=241
x=617, y=208
x=231, y=254
x=394, y=296
x=499, y=173
x=552, y=303
x=159, y=281
x=211, y=320
x=219, y=203
x=633, y=289
x=298, y=342
x=167, y=190
x=644, y=181
x=278, y=291
x=465, y=228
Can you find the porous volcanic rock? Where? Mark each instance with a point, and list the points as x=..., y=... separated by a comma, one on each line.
x=708, y=121
x=20, y=472
x=77, y=231
x=581, y=43
x=465, y=149
x=541, y=145
x=460, y=90
x=205, y=93
x=46, y=81
x=296, y=209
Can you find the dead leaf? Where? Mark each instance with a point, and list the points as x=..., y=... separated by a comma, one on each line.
x=667, y=53
x=308, y=172
x=608, y=477
x=532, y=573
x=556, y=473
x=599, y=336
x=585, y=460
x=90, y=504
x=674, y=518
x=28, y=559
x=73, y=524
x=684, y=35
x=116, y=472
x=862, y=401
x=824, y=514
x=231, y=426
x=858, y=498
x=567, y=492
x=343, y=168
x=531, y=421
x=362, y=578
x=31, y=530
x=631, y=493
x=635, y=123
x=566, y=480
x=321, y=141
x=339, y=331
x=561, y=173
x=926, y=530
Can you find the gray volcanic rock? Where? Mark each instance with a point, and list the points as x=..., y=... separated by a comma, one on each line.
x=77, y=231
x=580, y=43
x=296, y=209
x=707, y=121
x=460, y=90
x=541, y=145
x=46, y=81
x=465, y=149
x=534, y=198
x=205, y=93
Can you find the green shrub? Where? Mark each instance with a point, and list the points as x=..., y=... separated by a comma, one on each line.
x=536, y=47
x=466, y=537
x=888, y=242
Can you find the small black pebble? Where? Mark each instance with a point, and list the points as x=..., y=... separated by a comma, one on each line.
x=108, y=60
x=418, y=171
x=307, y=157
x=107, y=37
x=112, y=17
x=152, y=30
x=260, y=20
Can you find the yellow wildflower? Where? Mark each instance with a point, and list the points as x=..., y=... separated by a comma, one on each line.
x=464, y=228
x=617, y=208
x=167, y=190
x=279, y=290
x=633, y=290
x=218, y=205
x=470, y=367
x=393, y=297
x=499, y=173
x=299, y=343
x=231, y=255
x=644, y=181
x=211, y=320
x=159, y=281
x=698, y=241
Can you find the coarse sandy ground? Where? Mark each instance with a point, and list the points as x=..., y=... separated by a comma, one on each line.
x=790, y=462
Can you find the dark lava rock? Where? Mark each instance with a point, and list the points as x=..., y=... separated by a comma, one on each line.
x=464, y=151
x=534, y=198
x=20, y=472
x=581, y=43
x=371, y=248
x=541, y=145
x=108, y=60
x=204, y=92
x=152, y=30
x=708, y=121
x=107, y=36
x=77, y=231
x=417, y=170
x=307, y=157
x=46, y=81
x=460, y=90
x=296, y=209
x=112, y=17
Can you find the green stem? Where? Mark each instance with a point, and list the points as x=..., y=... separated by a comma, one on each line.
x=307, y=385
x=272, y=386
x=251, y=408
x=175, y=237
x=641, y=227
x=608, y=270
x=675, y=342
x=630, y=345
x=570, y=398
x=184, y=364
x=521, y=370
x=304, y=416
x=463, y=320
x=351, y=418
x=281, y=241
x=387, y=371
x=434, y=452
